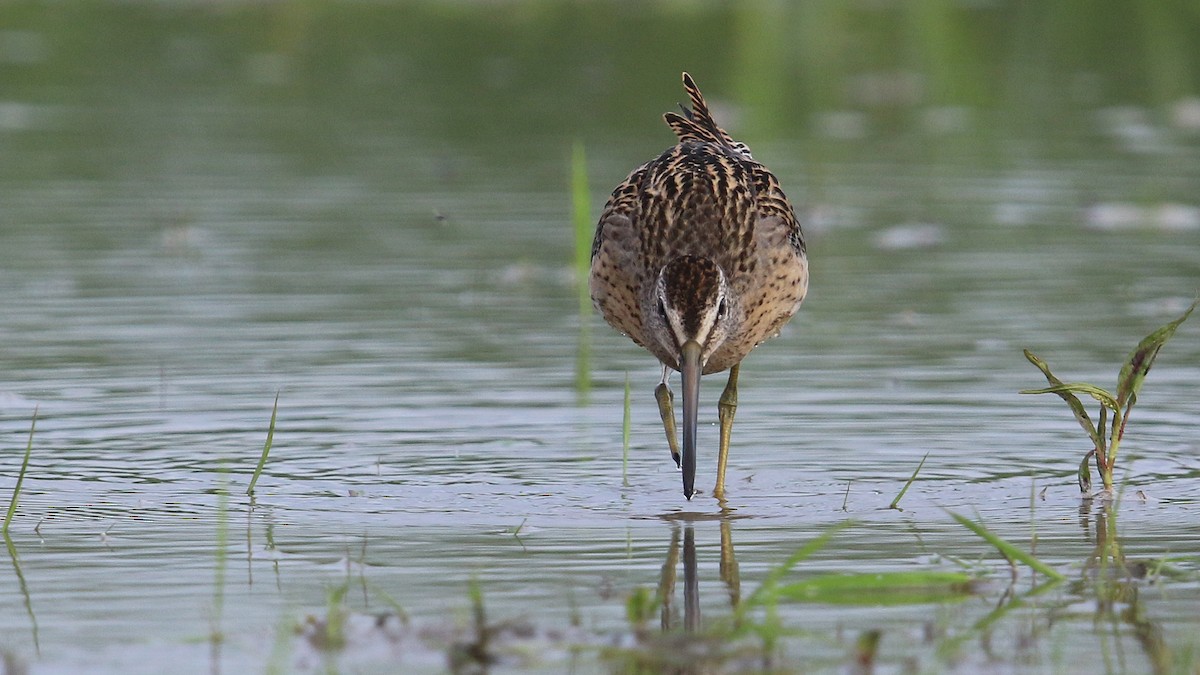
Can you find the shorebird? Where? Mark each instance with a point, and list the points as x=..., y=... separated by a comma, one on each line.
x=699, y=258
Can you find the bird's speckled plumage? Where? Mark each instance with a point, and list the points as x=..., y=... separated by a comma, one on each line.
x=698, y=257
x=705, y=198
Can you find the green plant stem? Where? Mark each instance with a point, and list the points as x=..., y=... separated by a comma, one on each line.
x=16, y=495
x=1105, y=452
x=1124, y=421
x=896, y=502
x=583, y=229
x=1103, y=449
x=1106, y=458
x=581, y=219
x=262, y=460
x=1118, y=432
x=1005, y=548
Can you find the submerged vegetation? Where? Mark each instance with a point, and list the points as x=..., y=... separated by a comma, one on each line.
x=1105, y=436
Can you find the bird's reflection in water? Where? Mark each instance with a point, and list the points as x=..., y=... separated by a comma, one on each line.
x=686, y=531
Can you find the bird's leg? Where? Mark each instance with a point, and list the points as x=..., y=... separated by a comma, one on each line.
x=662, y=393
x=726, y=407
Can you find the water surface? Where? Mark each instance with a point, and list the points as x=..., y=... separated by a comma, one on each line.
x=321, y=205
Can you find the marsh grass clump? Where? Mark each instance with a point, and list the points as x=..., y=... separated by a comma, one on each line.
x=1105, y=436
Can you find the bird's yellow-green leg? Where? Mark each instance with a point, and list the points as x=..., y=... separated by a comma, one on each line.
x=662, y=393
x=726, y=407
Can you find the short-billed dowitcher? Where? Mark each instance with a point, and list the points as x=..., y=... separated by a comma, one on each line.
x=699, y=258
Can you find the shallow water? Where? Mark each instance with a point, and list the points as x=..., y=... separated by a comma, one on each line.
x=180, y=247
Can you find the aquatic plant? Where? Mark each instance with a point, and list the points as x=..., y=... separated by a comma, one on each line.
x=751, y=638
x=1106, y=438
x=911, y=479
x=328, y=633
x=16, y=494
x=475, y=655
x=262, y=460
x=1010, y=551
x=583, y=227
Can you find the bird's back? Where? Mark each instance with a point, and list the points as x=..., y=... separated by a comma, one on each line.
x=695, y=199
x=704, y=197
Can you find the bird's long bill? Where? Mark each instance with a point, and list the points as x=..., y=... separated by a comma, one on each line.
x=689, y=367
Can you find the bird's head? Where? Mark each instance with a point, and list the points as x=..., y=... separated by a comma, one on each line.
x=693, y=304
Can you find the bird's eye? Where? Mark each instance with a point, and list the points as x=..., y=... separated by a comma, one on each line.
x=721, y=310
x=662, y=308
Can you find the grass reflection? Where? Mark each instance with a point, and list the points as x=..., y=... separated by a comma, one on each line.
x=16, y=563
x=670, y=628
x=750, y=636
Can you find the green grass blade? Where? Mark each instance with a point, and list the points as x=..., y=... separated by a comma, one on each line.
x=262, y=461
x=886, y=588
x=767, y=589
x=584, y=229
x=1105, y=398
x=1133, y=373
x=334, y=635
x=895, y=502
x=279, y=662
x=1084, y=475
x=16, y=495
x=640, y=607
x=583, y=225
x=397, y=608
x=1005, y=548
x=1076, y=405
x=475, y=592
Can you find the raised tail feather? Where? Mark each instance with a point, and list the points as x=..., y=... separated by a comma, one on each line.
x=697, y=124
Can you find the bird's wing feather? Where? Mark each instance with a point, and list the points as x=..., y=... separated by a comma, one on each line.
x=772, y=205
x=612, y=281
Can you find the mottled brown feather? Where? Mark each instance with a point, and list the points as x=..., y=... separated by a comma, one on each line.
x=705, y=198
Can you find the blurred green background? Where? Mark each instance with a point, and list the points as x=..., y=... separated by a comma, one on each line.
x=515, y=81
